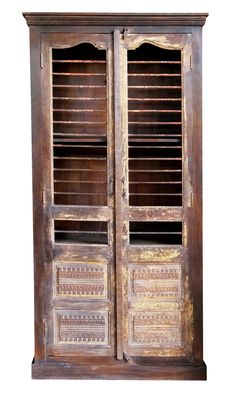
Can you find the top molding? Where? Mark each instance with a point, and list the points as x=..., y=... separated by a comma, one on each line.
x=108, y=19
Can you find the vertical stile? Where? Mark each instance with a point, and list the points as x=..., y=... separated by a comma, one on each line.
x=118, y=192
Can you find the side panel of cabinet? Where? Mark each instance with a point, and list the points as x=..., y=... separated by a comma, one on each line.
x=38, y=209
x=78, y=194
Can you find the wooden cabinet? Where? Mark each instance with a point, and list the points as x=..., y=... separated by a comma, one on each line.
x=116, y=122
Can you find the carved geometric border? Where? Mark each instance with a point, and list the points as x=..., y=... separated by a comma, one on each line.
x=81, y=328
x=154, y=282
x=155, y=329
x=80, y=280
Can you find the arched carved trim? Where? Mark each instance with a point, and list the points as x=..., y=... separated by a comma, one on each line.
x=97, y=44
x=133, y=42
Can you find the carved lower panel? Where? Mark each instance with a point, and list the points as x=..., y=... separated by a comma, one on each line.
x=81, y=280
x=162, y=282
x=155, y=328
x=81, y=327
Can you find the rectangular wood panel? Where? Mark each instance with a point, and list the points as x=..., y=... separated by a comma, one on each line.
x=155, y=282
x=155, y=329
x=81, y=327
x=81, y=281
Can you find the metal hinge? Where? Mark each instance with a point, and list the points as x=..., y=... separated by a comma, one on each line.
x=191, y=199
x=41, y=60
x=190, y=62
x=110, y=186
x=44, y=330
x=44, y=196
x=126, y=32
x=124, y=194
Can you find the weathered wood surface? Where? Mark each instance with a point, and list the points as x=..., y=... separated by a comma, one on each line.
x=118, y=369
x=155, y=329
x=123, y=19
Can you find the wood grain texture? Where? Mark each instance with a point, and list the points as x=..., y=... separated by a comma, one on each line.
x=38, y=227
x=195, y=218
x=126, y=19
x=118, y=369
x=118, y=192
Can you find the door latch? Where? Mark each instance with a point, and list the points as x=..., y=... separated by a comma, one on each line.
x=111, y=186
x=44, y=196
x=124, y=194
x=126, y=32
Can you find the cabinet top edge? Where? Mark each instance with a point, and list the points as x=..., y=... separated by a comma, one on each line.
x=127, y=19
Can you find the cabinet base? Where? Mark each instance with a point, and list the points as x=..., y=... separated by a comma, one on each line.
x=116, y=369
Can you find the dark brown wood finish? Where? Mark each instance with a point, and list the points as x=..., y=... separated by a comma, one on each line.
x=38, y=207
x=87, y=249
x=118, y=369
x=196, y=217
x=129, y=19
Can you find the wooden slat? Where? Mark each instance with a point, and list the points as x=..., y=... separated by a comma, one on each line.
x=147, y=193
x=153, y=99
x=79, y=145
x=155, y=170
x=82, y=86
x=92, y=182
x=79, y=170
x=153, y=62
x=152, y=182
x=151, y=87
x=78, y=122
x=154, y=110
x=89, y=193
x=80, y=98
x=79, y=61
x=95, y=139
x=81, y=73
x=153, y=147
x=151, y=135
x=75, y=231
x=86, y=110
x=137, y=233
x=155, y=122
x=155, y=159
x=80, y=136
x=80, y=158
x=151, y=75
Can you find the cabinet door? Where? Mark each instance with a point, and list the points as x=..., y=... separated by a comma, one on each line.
x=78, y=194
x=157, y=128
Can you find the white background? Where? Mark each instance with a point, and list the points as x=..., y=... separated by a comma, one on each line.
x=16, y=266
